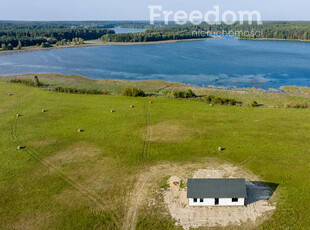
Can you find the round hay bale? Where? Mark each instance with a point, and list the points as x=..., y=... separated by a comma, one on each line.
x=80, y=130
x=131, y=106
x=43, y=110
x=150, y=102
x=19, y=147
x=211, y=104
x=112, y=111
x=10, y=94
x=220, y=148
x=17, y=115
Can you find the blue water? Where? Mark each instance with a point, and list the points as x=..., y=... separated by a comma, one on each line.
x=127, y=30
x=220, y=62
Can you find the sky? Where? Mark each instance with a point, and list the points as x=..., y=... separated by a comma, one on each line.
x=57, y=10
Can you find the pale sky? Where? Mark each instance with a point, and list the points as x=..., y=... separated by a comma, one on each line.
x=47, y=10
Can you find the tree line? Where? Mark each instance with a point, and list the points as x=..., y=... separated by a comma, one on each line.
x=31, y=37
x=18, y=34
x=150, y=36
x=268, y=30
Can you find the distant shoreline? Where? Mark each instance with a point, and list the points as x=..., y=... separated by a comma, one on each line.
x=91, y=43
x=273, y=39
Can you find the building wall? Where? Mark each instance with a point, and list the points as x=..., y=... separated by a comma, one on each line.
x=211, y=202
x=206, y=202
x=228, y=202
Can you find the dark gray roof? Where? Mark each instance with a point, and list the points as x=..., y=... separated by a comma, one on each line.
x=216, y=188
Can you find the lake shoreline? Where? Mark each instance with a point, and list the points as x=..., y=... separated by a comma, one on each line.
x=273, y=39
x=93, y=43
x=225, y=62
x=164, y=84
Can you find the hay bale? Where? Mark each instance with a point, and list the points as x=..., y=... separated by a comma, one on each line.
x=17, y=115
x=10, y=94
x=220, y=148
x=150, y=102
x=43, y=110
x=131, y=106
x=211, y=104
x=80, y=130
x=19, y=147
x=112, y=111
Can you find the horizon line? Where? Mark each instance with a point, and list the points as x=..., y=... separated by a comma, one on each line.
x=138, y=20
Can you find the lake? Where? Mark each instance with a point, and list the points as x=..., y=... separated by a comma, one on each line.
x=224, y=62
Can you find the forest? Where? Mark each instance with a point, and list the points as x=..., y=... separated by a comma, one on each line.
x=17, y=34
x=268, y=30
x=150, y=36
x=31, y=37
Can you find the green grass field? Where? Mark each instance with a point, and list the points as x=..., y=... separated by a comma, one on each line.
x=64, y=179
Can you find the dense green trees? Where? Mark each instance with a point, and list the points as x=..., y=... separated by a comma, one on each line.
x=6, y=47
x=36, y=82
x=45, y=45
x=3, y=46
x=182, y=94
x=77, y=41
x=20, y=34
x=150, y=36
x=268, y=30
x=19, y=46
x=133, y=92
x=29, y=34
x=30, y=82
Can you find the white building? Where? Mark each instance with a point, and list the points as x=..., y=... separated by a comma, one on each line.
x=216, y=192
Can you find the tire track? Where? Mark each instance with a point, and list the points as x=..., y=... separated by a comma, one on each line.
x=247, y=160
x=147, y=142
x=91, y=195
x=139, y=192
x=136, y=198
x=14, y=120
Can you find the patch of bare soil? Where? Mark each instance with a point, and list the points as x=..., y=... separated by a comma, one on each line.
x=193, y=217
x=85, y=168
x=147, y=186
x=72, y=198
x=32, y=221
x=42, y=142
x=76, y=153
x=86, y=164
x=146, y=182
x=168, y=132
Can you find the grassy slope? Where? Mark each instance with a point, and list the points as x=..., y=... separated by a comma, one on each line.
x=268, y=99
x=51, y=182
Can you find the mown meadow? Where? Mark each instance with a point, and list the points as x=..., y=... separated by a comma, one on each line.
x=65, y=179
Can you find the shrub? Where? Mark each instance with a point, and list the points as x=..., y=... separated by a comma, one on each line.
x=3, y=46
x=10, y=47
x=28, y=82
x=133, y=92
x=209, y=98
x=182, y=94
x=253, y=103
x=190, y=94
x=36, y=82
x=297, y=105
x=45, y=45
x=19, y=46
x=221, y=101
x=60, y=89
x=164, y=183
x=182, y=184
